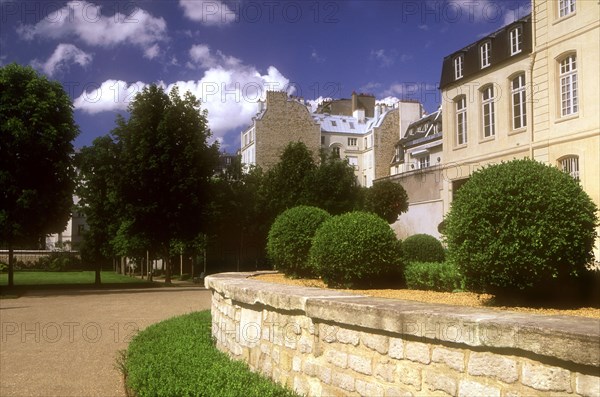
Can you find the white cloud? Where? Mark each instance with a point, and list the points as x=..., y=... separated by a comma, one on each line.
x=208, y=12
x=201, y=56
x=389, y=101
x=314, y=56
x=314, y=103
x=384, y=58
x=511, y=15
x=111, y=95
x=228, y=89
x=63, y=56
x=84, y=21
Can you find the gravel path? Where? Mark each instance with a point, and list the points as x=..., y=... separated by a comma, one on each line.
x=65, y=343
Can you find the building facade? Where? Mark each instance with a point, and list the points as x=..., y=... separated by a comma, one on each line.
x=528, y=90
x=364, y=133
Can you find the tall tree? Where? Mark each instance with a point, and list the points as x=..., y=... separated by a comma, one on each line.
x=166, y=167
x=36, y=157
x=98, y=167
x=386, y=199
x=333, y=185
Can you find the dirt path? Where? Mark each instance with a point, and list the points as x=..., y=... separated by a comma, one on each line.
x=65, y=343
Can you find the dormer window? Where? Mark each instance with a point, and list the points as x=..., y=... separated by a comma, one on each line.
x=516, y=40
x=485, y=52
x=333, y=123
x=458, y=66
x=351, y=125
x=566, y=7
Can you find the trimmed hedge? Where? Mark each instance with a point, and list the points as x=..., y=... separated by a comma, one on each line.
x=290, y=239
x=423, y=248
x=433, y=276
x=177, y=357
x=355, y=250
x=522, y=228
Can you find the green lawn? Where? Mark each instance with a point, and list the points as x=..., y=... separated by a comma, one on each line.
x=86, y=277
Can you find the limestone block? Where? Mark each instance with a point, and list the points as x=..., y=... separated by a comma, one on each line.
x=324, y=374
x=360, y=364
x=375, y=342
x=467, y=388
x=301, y=386
x=296, y=363
x=437, y=381
x=385, y=371
x=305, y=344
x=587, y=385
x=493, y=365
x=368, y=389
x=409, y=375
x=396, y=349
x=348, y=336
x=417, y=351
x=337, y=358
x=545, y=378
x=454, y=359
x=397, y=392
x=343, y=381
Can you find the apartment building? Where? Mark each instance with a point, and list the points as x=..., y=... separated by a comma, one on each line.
x=531, y=89
x=363, y=132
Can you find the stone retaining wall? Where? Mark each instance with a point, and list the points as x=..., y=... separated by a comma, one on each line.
x=330, y=343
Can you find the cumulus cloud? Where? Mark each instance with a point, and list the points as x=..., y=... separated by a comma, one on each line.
x=314, y=103
x=111, y=95
x=208, y=12
x=228, y=89
x=62, y=58
x=84, y=21
x=384, y=58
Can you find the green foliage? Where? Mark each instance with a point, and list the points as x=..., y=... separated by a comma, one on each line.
x=355, y=250
x=386, y=199
x=521, y=227
x=423, y=248
x=184, y=277
x=433, y=276
x=3, y=267
x=36, y=166
x=290, y=239
x=333, y=186
x=177, y=357
x=165, y=168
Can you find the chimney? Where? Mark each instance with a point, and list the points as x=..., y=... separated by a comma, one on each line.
x=377, y=111
x=359, y=114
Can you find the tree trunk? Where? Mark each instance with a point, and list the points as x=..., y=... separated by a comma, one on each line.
x=11, y=265
x=97, y=280
x=167, y=262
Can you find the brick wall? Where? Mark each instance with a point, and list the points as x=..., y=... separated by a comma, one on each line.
x=330, y=343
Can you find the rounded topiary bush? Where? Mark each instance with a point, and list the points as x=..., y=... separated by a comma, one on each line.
x=354, y=250
x=521, y=228
x=423, y=248
x=290, y=239
x=433, y=276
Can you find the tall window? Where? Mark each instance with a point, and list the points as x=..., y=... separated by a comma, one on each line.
x=566, y=7
x=570, y=165
x=519, y=113
x=352, y=141
x=488, y=111
x=423, y=162
x=568, y=86
x=336, y=151
x=485, y=52
x=516, y=40
x=458, y=67
x=461, y=120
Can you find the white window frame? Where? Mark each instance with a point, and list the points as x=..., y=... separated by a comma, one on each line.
x=352, y=141
x=569, y=100
x=516, y=40
x=458, y=66
x=488, y=111
x=570, y=165
x=424, y=161
x=518, y=91
x=566, y=7
x=485, y=54
x=461, y=120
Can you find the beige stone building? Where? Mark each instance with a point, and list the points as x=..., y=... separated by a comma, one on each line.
x=531, y=90
x=362, y=132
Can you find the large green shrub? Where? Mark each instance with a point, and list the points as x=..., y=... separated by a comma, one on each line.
x=354, y=250
x=423, y=248
x=433, y=276
x=521, y=228
x=290, y=239
x=386, y=199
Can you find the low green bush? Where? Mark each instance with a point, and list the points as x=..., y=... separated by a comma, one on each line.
x=290, y=239
x=356, y=250
x=433, y=276
x=423, y=248
x=184, y=276
x=177, y=357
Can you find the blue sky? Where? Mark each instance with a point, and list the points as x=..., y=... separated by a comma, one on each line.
x=228, y=53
